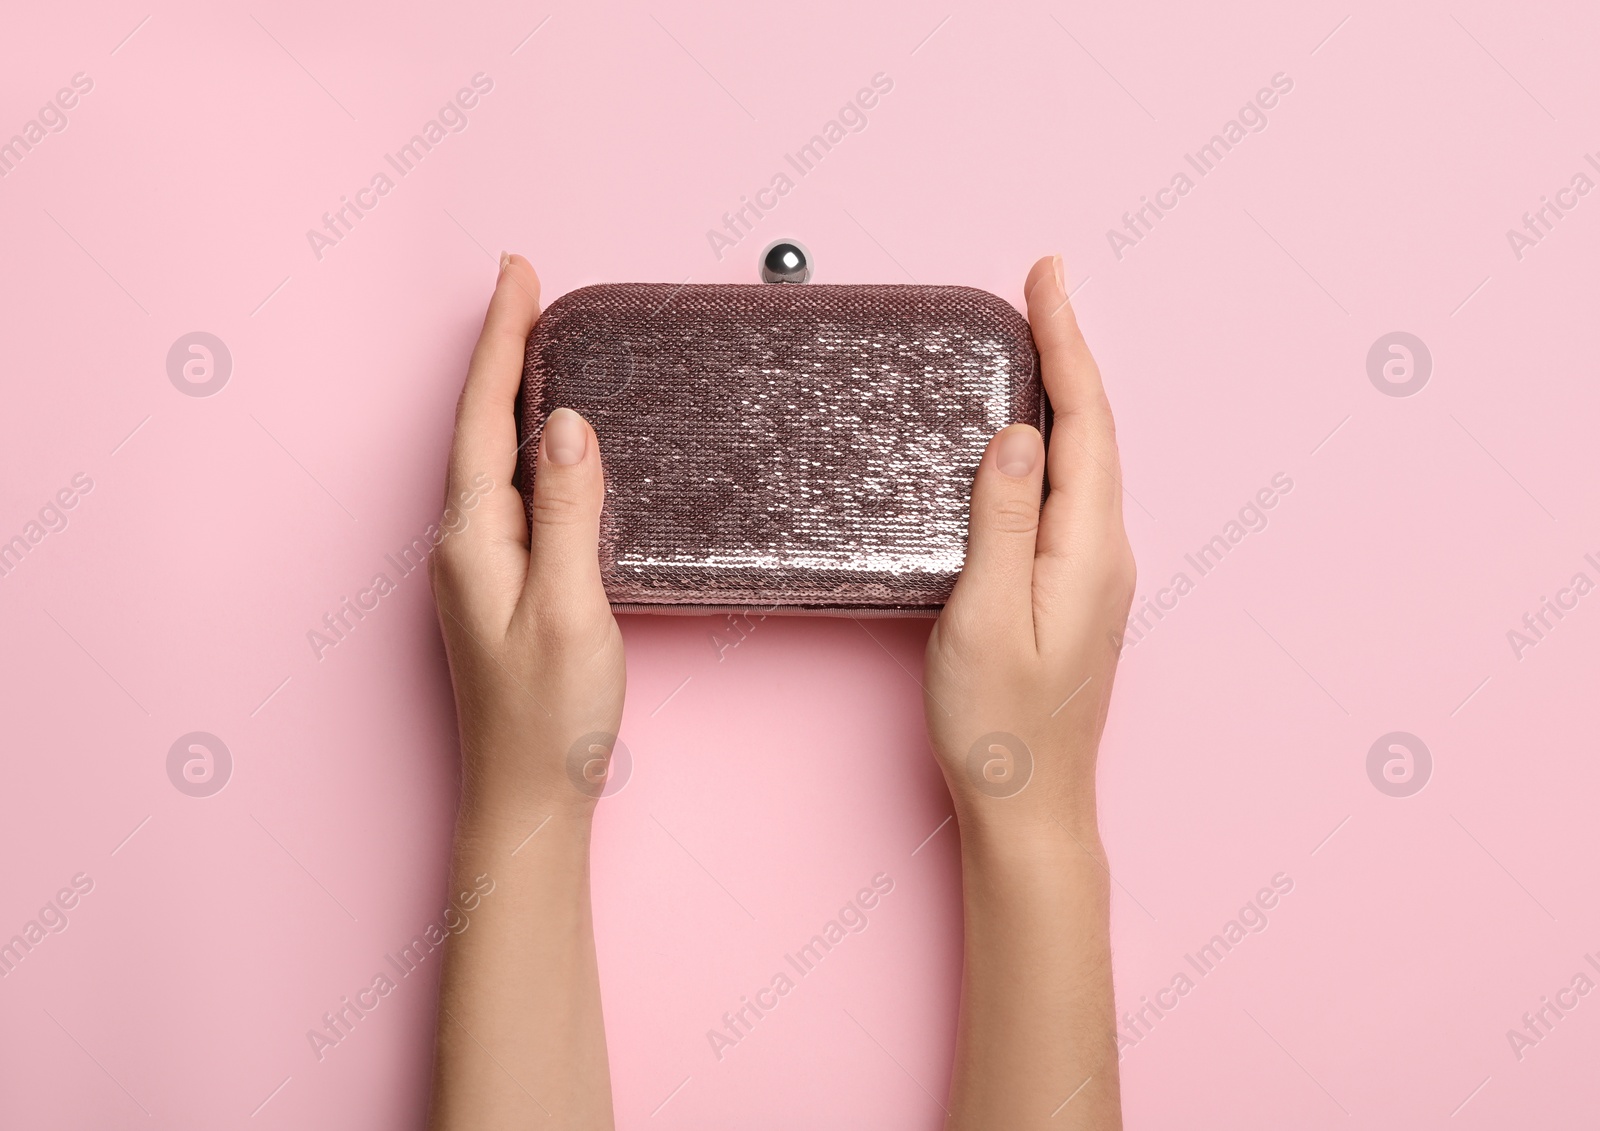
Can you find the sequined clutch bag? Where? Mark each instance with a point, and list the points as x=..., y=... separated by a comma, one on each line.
x=789, y=449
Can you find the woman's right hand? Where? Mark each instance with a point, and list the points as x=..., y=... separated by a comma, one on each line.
x=535, y=655
x=536, y=661
x=1027, y=645
x=1019, y=675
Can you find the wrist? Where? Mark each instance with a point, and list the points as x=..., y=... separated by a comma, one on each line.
x=1024, y=874
x=1055, y=802
x=511, y=773
x=1023, y=783
x=995, y=834
x=508, y=827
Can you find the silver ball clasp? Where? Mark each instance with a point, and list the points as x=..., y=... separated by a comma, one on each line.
x=785, y=261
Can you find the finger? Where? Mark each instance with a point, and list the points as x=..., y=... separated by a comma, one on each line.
x=568, y=491
x=1083, y=463
x=486, y=428
x=480, y=561
x=996, y=582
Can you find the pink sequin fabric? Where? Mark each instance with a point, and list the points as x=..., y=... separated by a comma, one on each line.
x=782, y=448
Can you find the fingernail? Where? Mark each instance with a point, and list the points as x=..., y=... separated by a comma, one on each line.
x=565, y=437
x=505, y=261
x=1061, y=274
x=1017, y=452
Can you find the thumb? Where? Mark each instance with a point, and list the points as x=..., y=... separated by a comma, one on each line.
x=564, y=514
x=996, y=582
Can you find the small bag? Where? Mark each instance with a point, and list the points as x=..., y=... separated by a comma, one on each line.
x=790, y=449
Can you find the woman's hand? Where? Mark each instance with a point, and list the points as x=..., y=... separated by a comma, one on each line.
x=536, y=661
x=1028, y=643
x=535, y=655
x=1019, y=672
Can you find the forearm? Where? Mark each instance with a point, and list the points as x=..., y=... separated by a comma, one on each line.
x=536, y=661
x=1036, y=1045
x=521, y=1039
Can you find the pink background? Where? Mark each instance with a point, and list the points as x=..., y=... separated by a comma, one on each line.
x=772, y=783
